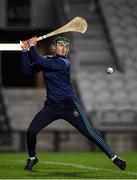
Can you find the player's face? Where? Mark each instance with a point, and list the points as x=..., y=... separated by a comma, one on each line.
x=62, y=49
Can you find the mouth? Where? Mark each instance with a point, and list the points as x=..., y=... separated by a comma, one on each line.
x=61, y=52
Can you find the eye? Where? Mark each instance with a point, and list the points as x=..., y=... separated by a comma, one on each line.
x=66, y=46
x=60, y=44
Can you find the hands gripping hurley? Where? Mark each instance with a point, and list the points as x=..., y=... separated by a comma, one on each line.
x=78, y=24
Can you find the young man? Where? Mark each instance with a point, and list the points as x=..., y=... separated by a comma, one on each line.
x=61, y=100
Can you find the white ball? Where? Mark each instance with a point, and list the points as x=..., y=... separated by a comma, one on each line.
x=110, y=70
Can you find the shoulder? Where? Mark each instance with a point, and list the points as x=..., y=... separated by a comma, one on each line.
x=48, y=56
x=65, y=60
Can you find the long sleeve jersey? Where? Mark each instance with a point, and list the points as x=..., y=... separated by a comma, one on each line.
x=56, y=72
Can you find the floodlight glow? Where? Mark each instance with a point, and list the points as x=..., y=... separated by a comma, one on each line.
x=10, y=47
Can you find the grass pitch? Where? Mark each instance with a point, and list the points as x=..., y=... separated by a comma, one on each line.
x=67, y=166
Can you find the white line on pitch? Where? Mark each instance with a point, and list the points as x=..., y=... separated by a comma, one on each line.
x=88, y=167
x=85, y=167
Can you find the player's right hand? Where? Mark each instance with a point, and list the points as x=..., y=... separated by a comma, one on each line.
x=32, y=41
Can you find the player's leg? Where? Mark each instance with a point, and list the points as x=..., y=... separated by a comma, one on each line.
x=41, y=120
x=79, y=120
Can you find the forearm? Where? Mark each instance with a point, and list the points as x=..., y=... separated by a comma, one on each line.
x=45, y=62
x=25, y=65
x=35, y=56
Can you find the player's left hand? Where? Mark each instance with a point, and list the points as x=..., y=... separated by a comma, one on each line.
x=24, y=44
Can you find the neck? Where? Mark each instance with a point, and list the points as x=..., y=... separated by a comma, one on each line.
x=60, y=56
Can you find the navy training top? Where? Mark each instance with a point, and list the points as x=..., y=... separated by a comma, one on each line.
x=56, y=72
